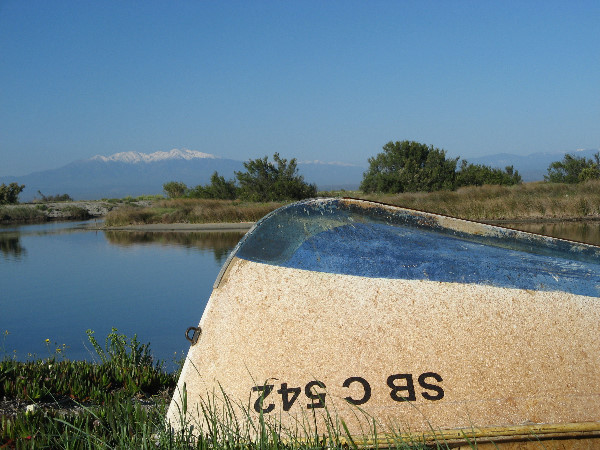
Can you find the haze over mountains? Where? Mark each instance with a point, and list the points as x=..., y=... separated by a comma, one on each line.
x=134, y=173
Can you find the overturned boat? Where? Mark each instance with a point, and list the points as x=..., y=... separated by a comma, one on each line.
x=397, y=323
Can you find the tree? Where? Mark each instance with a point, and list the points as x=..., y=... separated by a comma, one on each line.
x=10, y=194
x=264, y=181
x=409, y=166
x=219, y=188
x=478, y=175
x=54, y=198
x=175, y=189
x=574, y=169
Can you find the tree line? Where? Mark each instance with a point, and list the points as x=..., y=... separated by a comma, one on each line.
x=263, y=181
x=402, y=166
x=409, y=166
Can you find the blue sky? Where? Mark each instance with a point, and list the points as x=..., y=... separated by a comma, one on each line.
x=327, y=80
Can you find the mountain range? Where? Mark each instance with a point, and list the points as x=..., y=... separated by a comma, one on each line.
x=532, y=167
x=134, y=173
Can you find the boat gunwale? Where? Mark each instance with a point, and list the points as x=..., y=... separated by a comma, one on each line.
x=458, y=227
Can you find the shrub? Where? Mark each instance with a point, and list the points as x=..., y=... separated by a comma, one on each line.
x=264, y=181
x=219, y=189
x=10, y=194
x=574, y=169
x=409, y=166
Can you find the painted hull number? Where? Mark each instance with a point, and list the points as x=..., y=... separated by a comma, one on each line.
x=402, y=388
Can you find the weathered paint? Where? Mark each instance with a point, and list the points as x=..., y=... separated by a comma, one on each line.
x=424, y=322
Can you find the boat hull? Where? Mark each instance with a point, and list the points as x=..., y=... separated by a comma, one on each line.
x=408, y=356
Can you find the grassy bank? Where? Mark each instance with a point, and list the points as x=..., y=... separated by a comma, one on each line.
x=120, y=401
x=525, y=202
x=21, y=214
x=528, y=201
x=189, y=211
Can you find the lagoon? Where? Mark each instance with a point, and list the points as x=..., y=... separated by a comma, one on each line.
x=58, y=280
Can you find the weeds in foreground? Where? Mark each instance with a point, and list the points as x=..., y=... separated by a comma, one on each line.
x=57, y=403
x=120, y=401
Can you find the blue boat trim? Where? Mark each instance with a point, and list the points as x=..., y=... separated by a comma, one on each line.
x=367, y=239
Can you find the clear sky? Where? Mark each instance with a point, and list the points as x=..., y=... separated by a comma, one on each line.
x=327, y=80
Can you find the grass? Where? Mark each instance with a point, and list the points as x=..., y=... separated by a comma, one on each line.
x=77, y=404
x=528, y=201
x=190, y=211
x=21, y=214
x=120, y=401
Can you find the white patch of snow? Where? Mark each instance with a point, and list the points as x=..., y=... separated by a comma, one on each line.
x=138, y=157
x=330, y=163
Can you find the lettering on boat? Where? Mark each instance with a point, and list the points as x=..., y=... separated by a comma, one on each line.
x=401, y=389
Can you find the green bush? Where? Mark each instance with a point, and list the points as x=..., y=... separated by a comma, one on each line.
x=9, y=195
x=413, y=167
x=409, y=166
x=265, y=181
x=219, y=189
x=574, y=169
x=478, y=175
x=175, y=189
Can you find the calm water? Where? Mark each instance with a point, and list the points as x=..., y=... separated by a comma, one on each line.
x=588, y=232
x=58, y=280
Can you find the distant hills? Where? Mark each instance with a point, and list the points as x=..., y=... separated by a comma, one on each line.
x=532, y=167
x=134, y=173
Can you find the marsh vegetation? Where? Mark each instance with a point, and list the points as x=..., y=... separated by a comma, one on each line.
x=539, y=201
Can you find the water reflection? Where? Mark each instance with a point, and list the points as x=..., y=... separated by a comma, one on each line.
x=588, y=232
x=219, y=243
x=10, y=246
x=57, y=281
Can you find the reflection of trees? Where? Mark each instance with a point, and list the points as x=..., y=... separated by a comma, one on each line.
x=10, y=245
x=220, y=243
x=588, y=232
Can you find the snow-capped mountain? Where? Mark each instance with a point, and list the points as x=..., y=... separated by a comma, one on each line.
x=138, y=157
x=135, y=173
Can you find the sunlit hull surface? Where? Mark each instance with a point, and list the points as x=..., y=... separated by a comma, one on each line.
x=426, y=326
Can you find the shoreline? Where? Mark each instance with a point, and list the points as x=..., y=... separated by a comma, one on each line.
x=181, y=227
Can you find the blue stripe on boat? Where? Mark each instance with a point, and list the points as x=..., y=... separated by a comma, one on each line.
x=386, y=242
